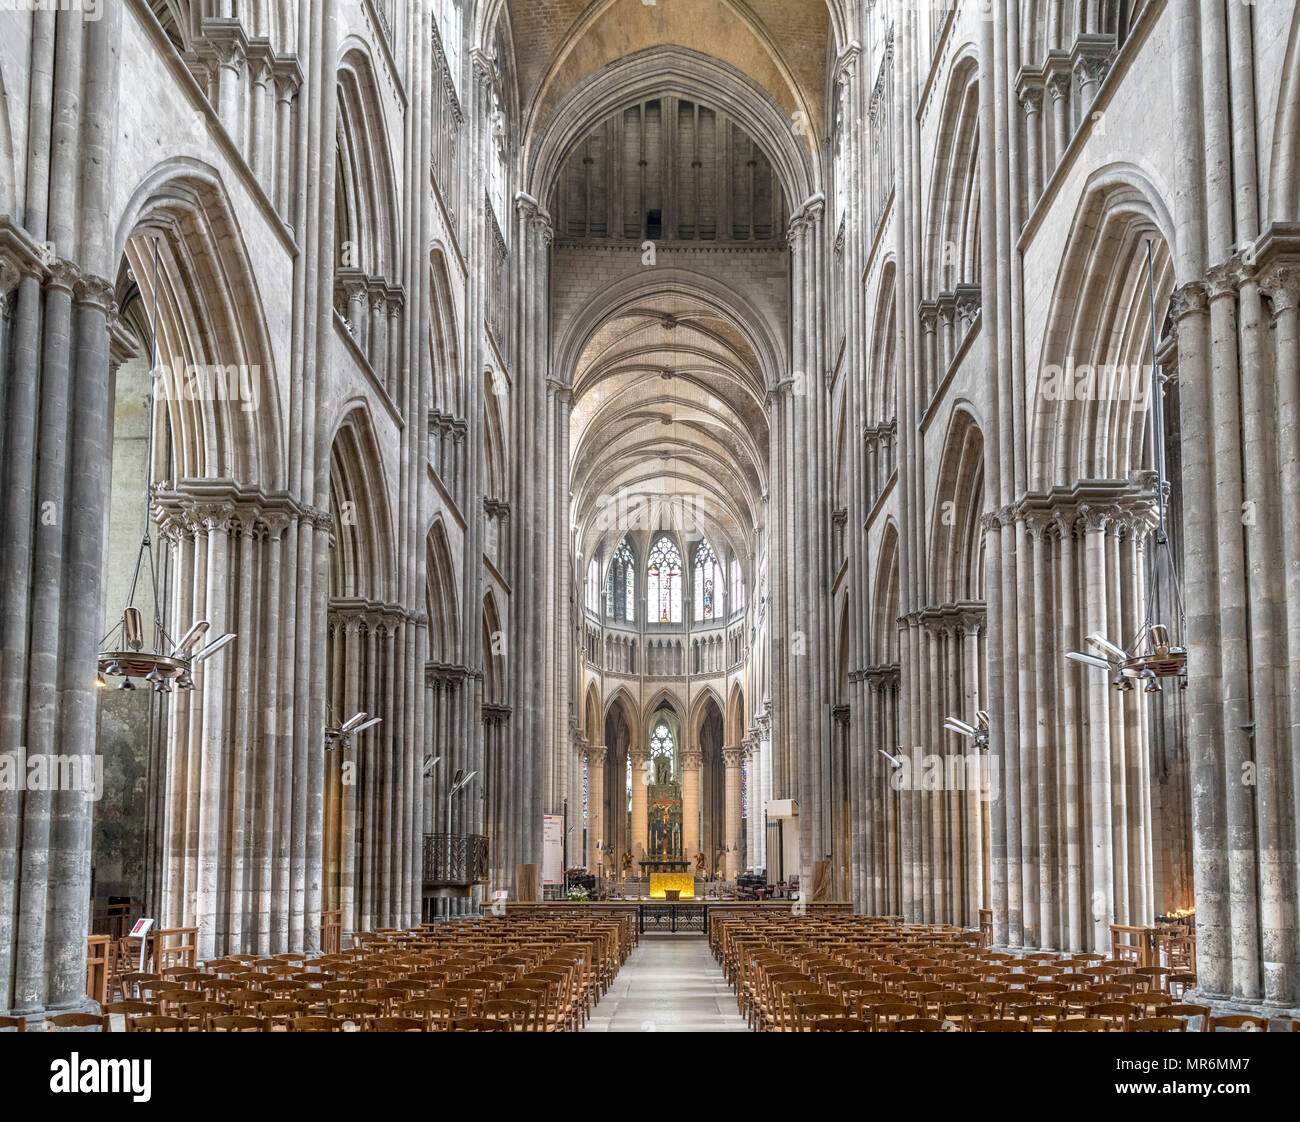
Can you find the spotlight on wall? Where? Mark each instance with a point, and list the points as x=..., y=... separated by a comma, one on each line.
x=978, y=732
x=355, y=725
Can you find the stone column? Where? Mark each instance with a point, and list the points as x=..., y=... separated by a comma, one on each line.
x=731, y=757
x=640, y=756
x=752, y=808
x=691, y=760
x=1058, y=86
x=597, y=755
x=1031, y=104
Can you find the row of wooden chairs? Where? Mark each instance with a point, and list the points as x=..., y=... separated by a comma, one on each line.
x=856, y=973
x=539, y=974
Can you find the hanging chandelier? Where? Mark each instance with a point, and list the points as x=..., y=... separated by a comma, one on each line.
x=126, y=652
x=1155, y=652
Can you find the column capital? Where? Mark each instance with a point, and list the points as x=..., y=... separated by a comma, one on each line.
x=1223, y=279
x=1188, y=299
x=732, y=756
x=1031, y=98
x=692, y=758
x=1095, y=518
x=1282, y=283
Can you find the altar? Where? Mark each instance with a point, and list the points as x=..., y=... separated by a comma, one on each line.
x=664, y=882
x=659, y=863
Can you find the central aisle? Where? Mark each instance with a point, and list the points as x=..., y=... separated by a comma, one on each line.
x=670, y=983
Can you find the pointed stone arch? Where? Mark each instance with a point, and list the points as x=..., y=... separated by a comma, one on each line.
x=366, y=193
x=885, y=600
x=362, y=562
x=1087, y=423
x=494, y=667
x=951, y=250
x=219, y=413
x=1284, y=163
x=956, y=536
x=441, y=596
x=736, y=715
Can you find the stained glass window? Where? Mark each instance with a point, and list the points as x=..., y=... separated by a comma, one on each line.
x=664, y=582
x=621, y=587
x=744, y=787
x=661, y=748
x=708, y=583
x=737, y=588
x=661, y=742
x=585, y=791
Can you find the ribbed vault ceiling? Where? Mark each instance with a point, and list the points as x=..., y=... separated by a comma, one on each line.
x=667, y=423
x=781, y=44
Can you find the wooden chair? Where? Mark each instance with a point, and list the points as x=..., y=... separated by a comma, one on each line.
x=360, y=1012
x=965, y=1013
x=203, y=1011
x=999, y=1026
x=128, y=985
x=74, y=1022
x=1181, y=1009
x=397, y=1024
x=315, y=1024
x=919, y=1024
x=17, y=1024
x=237, y=1023
x=126, y=1010
x=1243, y=1022
x=888, y=1014
x=843, y=1024
x=1119, y=1013
x=159, y=1023
x=478, y=1024
x=808, y=1013
x=518, y=1014
x=1179, y=983
x=1083, y=1024
x=1157, y=1024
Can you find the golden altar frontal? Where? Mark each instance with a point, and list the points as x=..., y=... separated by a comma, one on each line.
x=683, y=882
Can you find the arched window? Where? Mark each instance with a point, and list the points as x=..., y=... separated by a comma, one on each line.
x=620, y=585
x=708, y=583
x=661, y=753
x=592, y=597
x=450, y=30
x=737, y=586
x=664, y=583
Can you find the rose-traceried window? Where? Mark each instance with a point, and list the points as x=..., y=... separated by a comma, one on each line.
x=664, y=582
x=661, y=753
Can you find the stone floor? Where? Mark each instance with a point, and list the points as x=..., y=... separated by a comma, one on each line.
x=670, y=983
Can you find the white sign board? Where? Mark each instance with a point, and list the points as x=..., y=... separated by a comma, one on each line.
x=553, y=849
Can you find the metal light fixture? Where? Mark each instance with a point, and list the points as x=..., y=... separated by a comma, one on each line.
x=459, y=782
x=1155, y=653
x=978, y=732
x=355, y=725
x=124, y=651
